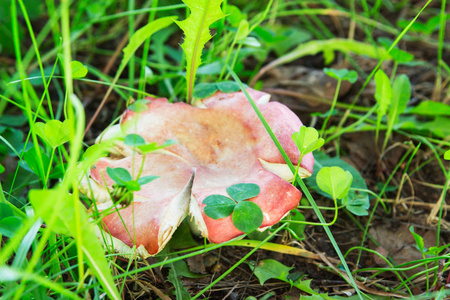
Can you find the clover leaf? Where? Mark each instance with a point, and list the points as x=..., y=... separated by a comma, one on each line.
x=342, y=74
x=334, y=181
x=247, y=216
x=307, y=140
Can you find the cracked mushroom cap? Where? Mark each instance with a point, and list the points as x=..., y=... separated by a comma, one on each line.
x=225, y=142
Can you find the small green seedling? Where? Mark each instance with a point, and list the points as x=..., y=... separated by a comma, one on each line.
x=125, y=185
x=307, y=140
x=339, y=75
x=247, y=216
x=419, y=241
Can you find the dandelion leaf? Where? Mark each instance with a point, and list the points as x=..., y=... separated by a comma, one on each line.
x=196, y=30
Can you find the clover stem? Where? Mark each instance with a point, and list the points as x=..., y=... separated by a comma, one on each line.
x=336, y=93
x=336, y=209
x=296, y=169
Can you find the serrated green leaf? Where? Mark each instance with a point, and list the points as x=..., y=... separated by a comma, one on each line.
x=334, y=181
x=196, y=30
x=78, y=69
x=247, y=216
x=218, y=206
x=243, y=191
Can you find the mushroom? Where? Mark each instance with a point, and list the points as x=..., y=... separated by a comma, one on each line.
x=220, y=142
x=156, y=210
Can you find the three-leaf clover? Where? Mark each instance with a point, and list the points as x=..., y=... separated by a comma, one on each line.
x=125, y=185
x=247, y=216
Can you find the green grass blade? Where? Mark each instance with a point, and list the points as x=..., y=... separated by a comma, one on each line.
x=299, y=181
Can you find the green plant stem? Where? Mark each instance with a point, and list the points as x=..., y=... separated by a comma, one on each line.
x=131, y=63
x=336, y=94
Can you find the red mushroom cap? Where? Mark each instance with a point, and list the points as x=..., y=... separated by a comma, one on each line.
x=225, y=142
